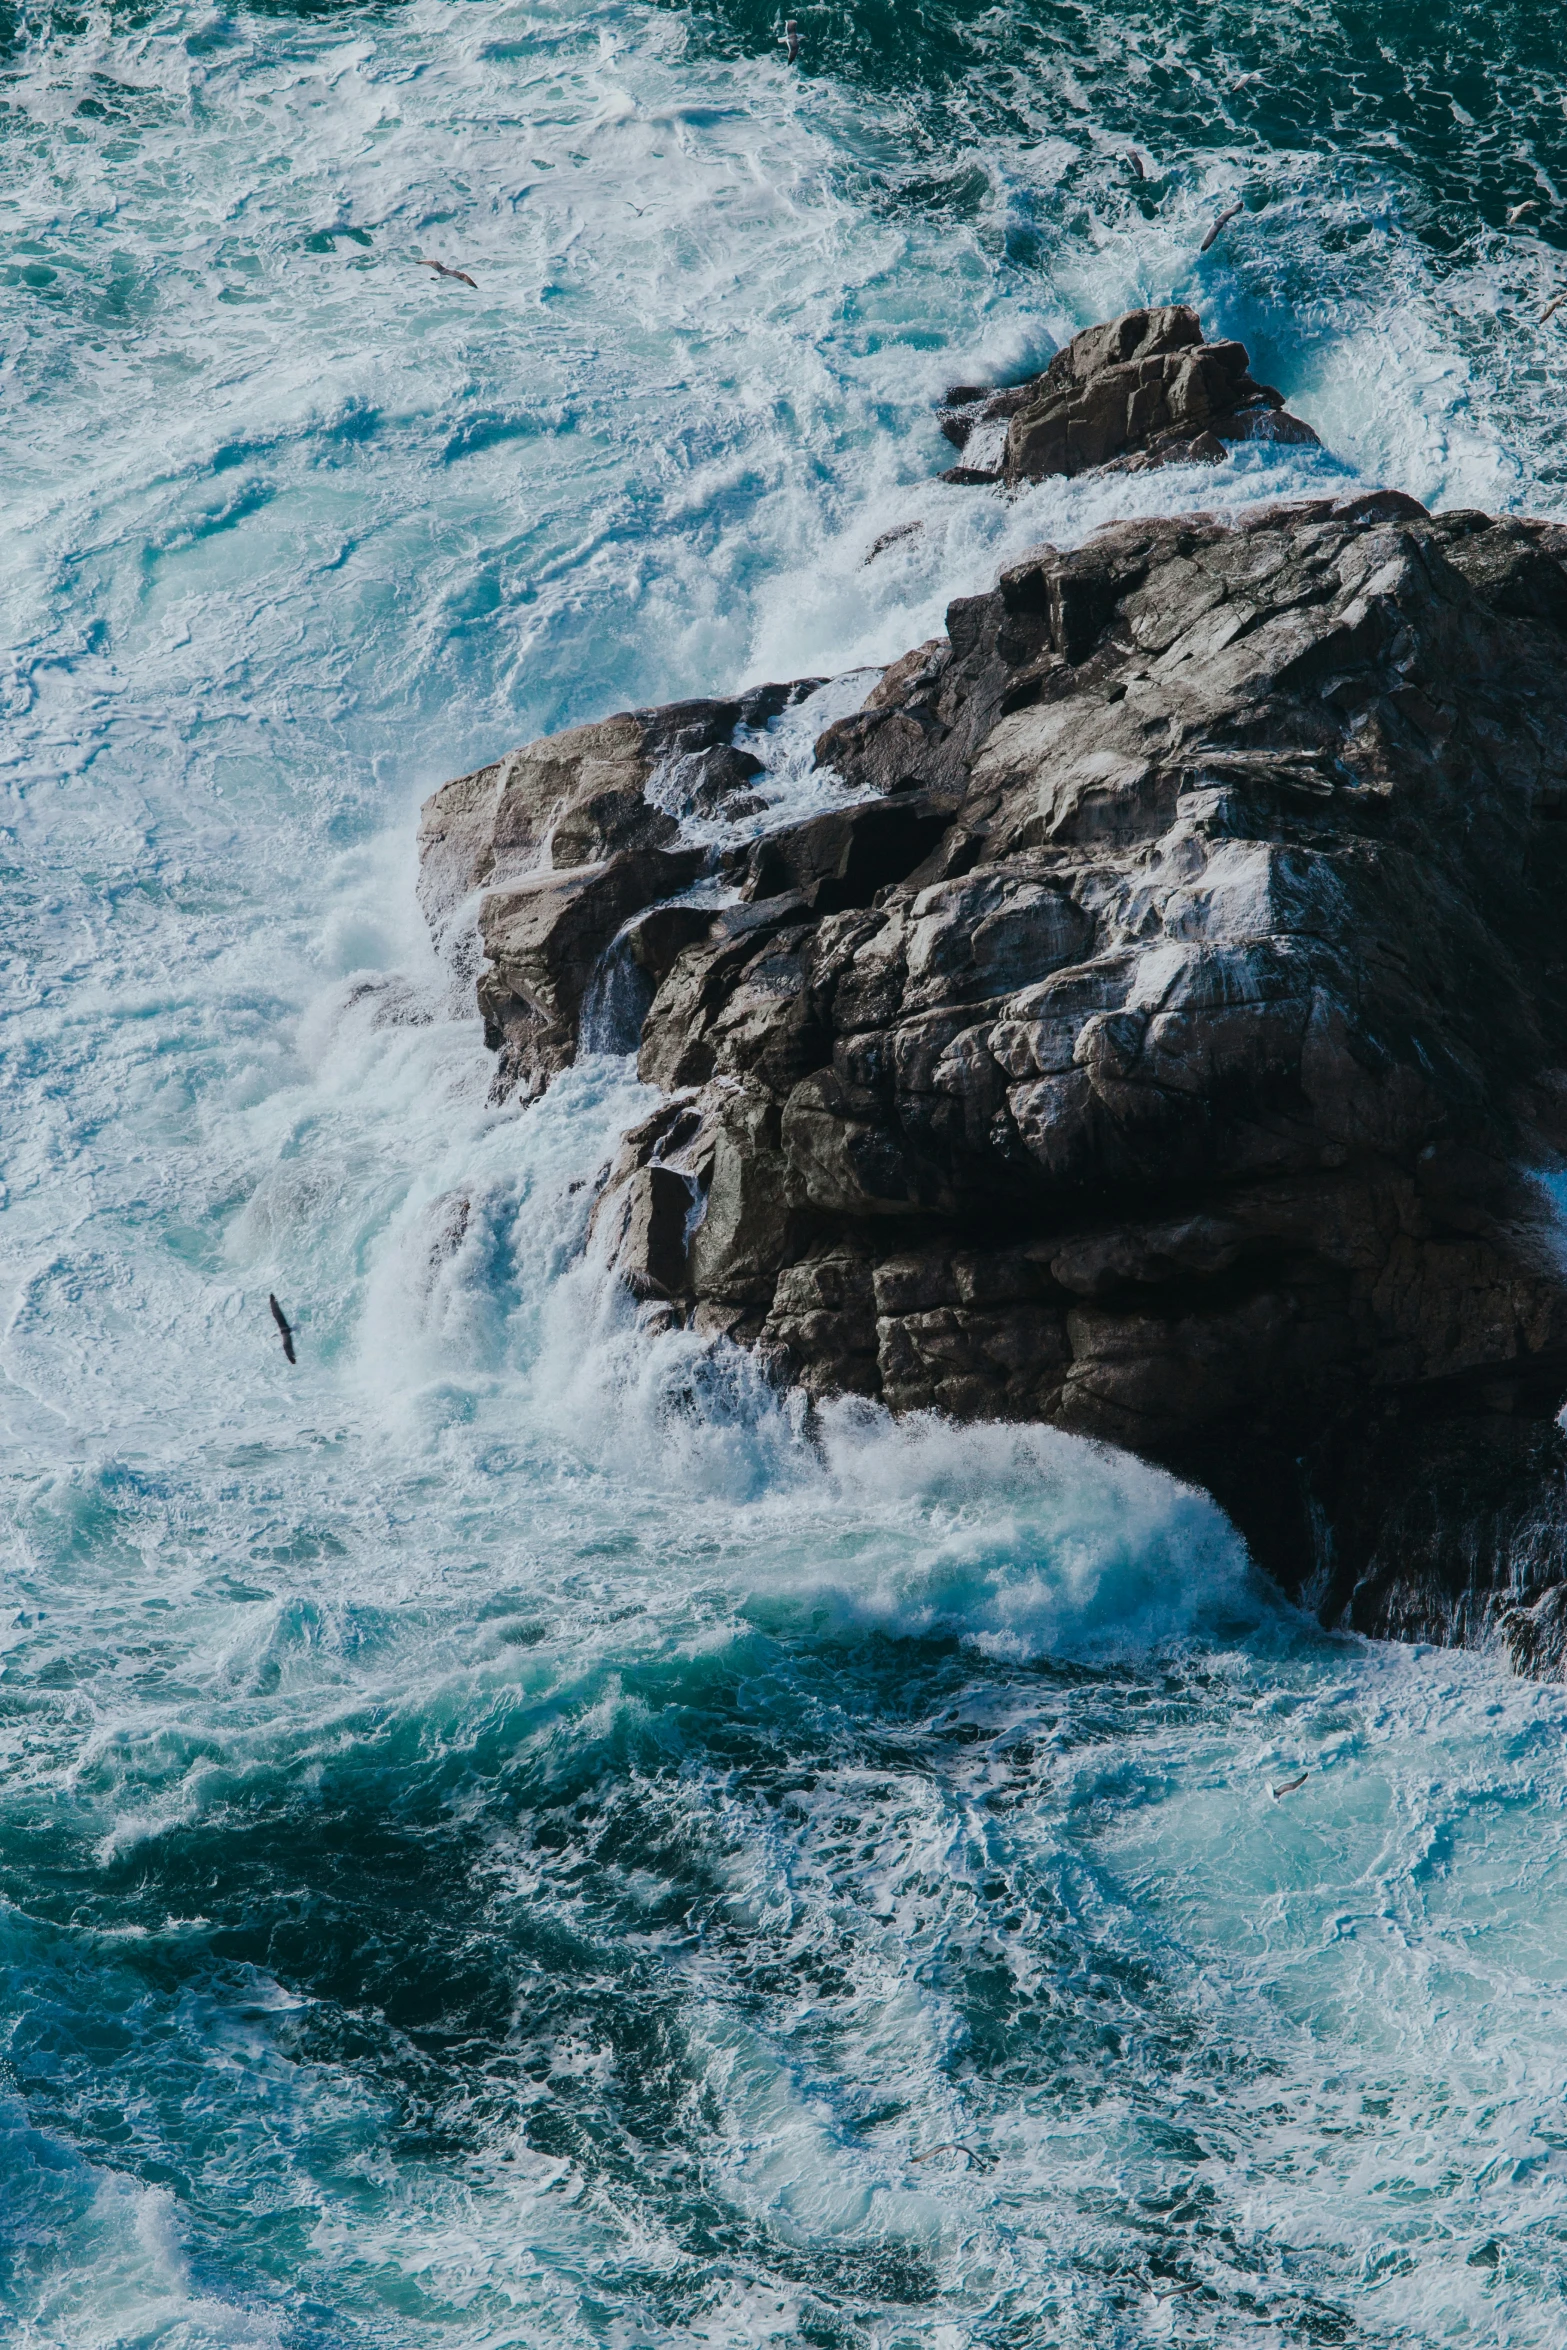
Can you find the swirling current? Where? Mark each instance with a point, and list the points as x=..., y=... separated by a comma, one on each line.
x=511, y=1833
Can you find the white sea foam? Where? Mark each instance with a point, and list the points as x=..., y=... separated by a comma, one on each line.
x=913, y=1781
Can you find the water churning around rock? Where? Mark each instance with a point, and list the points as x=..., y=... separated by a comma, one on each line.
x=513, y=1831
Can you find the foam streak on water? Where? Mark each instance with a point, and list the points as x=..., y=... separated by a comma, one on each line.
x=511, y=1832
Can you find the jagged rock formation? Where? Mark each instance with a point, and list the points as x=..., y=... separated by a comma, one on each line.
x=1169, y=1043
x=1144, y=390
x=565, y=843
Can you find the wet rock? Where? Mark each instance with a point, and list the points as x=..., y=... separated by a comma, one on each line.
x=822, y=1320
x=528, y=868
x=1172, y=1042
x=899, y=535
x=646, y=1235
x=571, y=799
x=1185, y=1091
x=541, y=941
x=642, y=1218
x=581, y=797
x=657, y=938
x=1144, y=390
x=842, y=858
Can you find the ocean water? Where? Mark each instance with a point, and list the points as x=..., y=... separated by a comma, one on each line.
x=511, y=1833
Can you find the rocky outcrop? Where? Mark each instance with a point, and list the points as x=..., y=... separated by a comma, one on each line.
x=1168, y=1041
x=1144, y=390
x=566, y=838
x=542, y=942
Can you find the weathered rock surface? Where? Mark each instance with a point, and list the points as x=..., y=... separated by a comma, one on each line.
x=1143, y=390
x=1171, y=1045
x=542, y=941
x=566, y=842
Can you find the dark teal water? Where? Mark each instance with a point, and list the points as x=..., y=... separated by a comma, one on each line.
x=507, y=1835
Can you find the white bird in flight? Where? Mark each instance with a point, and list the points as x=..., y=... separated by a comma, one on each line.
x=1517, y=211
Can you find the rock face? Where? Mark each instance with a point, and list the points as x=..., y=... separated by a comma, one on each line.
x=1171, y=1043
x=1144, y=390
x=565, y=842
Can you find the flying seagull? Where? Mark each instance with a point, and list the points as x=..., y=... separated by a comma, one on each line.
x=947, y=2146
x=1139, y=167
x=791, y=34
x=1553, y=305
x=285, y=1326
x=1516, y=212
x=1245, y=81
x=1290, y=1785
x=441, y=270
x=1232, y=212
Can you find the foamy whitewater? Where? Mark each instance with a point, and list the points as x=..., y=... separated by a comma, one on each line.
x=508, y=1833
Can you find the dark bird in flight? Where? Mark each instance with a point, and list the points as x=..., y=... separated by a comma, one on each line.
x=1231, y=212
x=947, y=2146
x=1290, y=1785
x=285, y=1326
x=1139, y=167
x=791, y=34
x=441, y=270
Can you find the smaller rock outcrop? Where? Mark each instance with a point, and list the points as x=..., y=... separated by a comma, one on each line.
x=1144, y=390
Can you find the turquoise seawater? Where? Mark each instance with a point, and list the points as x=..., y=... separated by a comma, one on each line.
x=508, y=1834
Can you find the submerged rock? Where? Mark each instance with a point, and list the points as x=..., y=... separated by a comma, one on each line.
x=1170, y=1045
x=1144, y=390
